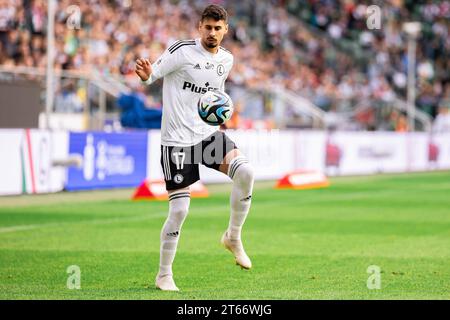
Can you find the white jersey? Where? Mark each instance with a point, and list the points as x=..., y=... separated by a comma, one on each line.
x=189, y=70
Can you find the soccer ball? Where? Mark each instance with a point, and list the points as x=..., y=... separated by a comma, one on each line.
x=215, y=107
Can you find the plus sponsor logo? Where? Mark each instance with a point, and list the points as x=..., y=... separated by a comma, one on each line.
x=197, y=89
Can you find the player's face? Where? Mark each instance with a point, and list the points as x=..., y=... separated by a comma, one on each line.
x=212, y=32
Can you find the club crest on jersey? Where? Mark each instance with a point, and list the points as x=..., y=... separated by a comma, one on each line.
x=178, y=178
x=220, y=69
x=191, y=86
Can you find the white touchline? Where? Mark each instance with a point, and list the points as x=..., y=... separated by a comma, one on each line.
x=93, y=221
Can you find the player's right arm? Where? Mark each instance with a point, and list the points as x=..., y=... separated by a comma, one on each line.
x=165, y=64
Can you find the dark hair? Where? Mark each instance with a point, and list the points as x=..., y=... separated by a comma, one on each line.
x=215, y=12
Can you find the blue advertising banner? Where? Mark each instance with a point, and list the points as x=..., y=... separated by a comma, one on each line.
x=110, y=160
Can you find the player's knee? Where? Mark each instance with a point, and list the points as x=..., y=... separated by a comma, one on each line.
x=244, y=174
x=180, y=213
x=178, y=209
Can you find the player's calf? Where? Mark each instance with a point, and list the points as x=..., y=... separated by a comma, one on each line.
x=242, y=175
x=178, y=209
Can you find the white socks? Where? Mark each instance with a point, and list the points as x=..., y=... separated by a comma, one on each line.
x=242, y=175
x=170, y=233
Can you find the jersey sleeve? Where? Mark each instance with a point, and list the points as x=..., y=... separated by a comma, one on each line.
x=165, y=64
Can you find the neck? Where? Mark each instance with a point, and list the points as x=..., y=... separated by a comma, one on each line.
x=212, y=50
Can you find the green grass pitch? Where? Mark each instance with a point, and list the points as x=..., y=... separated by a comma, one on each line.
x=312, y=244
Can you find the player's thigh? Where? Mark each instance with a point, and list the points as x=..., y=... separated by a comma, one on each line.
x=227, y=160
x=179, y=168
x=218, y=150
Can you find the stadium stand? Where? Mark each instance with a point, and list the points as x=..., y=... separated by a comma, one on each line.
x=320, y=50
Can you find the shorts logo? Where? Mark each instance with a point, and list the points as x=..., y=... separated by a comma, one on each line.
x=220, y=69
x=178, y=178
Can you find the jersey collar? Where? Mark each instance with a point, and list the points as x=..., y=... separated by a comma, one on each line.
x=202, y=49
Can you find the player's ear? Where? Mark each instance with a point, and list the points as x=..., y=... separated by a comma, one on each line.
x=226, y=28
x=199, y=25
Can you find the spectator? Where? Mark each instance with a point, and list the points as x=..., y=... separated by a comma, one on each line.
x=67, y=100
x=442, y=121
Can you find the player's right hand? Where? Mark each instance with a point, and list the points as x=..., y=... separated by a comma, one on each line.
x=143, y=68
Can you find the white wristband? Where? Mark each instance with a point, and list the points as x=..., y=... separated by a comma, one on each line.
x=148, y=81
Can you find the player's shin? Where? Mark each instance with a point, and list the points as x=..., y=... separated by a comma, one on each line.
x=170, y=233
x=242, y=175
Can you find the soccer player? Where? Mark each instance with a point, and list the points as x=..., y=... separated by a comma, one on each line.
x=190, y=68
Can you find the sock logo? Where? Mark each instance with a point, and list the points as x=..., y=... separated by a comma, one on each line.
x=172, y=234
x=247, y=198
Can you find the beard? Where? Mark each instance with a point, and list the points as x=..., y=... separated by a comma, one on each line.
x=211, y=43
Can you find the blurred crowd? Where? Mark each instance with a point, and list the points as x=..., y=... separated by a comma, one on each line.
x=383, y=74
x=287, y=43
